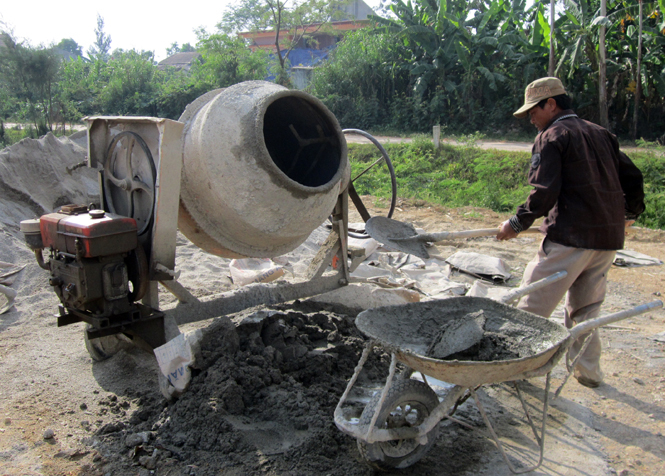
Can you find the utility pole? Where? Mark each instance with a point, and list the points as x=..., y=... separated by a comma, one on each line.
x=550, y=69
x=638, y=76
x=602, y=71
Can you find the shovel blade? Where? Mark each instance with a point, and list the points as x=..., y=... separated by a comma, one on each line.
x=393, y=234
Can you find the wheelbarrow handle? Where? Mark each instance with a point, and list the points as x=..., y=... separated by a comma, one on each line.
x=586, y=326
x=523, y=291
x=454, y=235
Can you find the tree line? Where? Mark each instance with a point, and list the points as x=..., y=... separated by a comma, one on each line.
x=465, y=64
x=462, y=64
x=38, y=87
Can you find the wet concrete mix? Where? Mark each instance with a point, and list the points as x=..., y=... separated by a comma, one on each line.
x=472, y=337
x=263, y=398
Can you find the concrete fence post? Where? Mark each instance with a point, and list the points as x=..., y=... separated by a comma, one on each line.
x=436, y=132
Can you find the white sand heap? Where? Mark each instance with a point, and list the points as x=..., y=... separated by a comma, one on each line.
x=39, y=175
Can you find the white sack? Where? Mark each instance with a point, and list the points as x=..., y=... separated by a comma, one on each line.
x=481, y=265
x=254, y=270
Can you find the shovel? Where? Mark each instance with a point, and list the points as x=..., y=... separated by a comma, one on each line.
x=403, y=237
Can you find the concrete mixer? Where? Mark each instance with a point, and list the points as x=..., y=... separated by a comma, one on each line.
x=247, y=171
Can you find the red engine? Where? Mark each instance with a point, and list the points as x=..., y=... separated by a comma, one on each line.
x=98, y=268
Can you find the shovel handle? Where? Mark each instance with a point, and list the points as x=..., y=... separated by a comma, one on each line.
x=453, y=235
x=587, y=326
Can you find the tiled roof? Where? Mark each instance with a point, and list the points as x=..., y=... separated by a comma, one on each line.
x=179, y=60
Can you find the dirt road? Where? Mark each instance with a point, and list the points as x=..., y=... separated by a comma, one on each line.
x=483, y=144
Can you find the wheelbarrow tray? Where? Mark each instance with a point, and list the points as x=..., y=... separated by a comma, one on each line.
x=409, y=329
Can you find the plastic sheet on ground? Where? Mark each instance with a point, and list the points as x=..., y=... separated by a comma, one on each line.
x=629, y=258
x=390, y=277
x=369, y=245
x=482, y=289
x=482, y=266
x=395, y=269
x=254, y=270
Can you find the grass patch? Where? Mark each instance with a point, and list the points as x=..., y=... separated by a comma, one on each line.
x=458, y=176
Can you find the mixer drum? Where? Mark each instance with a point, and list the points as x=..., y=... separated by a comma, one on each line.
x=262, y=168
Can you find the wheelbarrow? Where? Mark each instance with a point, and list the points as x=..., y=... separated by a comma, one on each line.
x=400, y=423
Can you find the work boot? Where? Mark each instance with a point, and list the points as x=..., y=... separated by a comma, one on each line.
x=588, y=381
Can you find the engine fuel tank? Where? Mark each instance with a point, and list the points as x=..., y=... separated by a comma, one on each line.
x=99, y=233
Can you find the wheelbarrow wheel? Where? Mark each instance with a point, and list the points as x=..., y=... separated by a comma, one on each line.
x=408, y=403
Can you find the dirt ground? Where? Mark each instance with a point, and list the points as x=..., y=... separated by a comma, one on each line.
x=262, y=400
x=262, y=396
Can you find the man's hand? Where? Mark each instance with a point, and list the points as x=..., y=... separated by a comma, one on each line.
x=506, y=231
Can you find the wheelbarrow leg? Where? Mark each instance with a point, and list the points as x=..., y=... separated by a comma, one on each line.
x=570, y=366
x=539, y=439
x=339, y=419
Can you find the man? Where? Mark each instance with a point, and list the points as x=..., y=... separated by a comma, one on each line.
x=588, y=190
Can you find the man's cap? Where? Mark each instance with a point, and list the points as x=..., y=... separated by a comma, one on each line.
x=538, y=90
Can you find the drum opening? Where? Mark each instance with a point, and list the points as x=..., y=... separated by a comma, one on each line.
x=302, y=141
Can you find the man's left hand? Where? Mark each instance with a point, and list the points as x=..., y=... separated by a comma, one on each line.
x=506, y=231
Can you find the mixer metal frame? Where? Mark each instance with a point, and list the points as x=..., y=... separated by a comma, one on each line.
x=162, y=138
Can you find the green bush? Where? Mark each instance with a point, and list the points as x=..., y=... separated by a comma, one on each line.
x=652, y=165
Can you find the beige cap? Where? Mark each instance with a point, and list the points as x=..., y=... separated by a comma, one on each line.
x=540, y=89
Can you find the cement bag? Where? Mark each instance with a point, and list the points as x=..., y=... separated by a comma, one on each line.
x=254, y=270
x=175, y=359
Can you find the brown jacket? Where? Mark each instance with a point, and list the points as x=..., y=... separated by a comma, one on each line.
x=583, y=183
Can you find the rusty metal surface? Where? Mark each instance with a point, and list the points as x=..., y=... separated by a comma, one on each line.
x=96, y=236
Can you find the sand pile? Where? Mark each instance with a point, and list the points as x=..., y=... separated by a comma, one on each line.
x=37, y=176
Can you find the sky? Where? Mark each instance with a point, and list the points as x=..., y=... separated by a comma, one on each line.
x=142, y=25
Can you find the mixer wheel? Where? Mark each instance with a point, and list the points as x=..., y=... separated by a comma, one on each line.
x=129, y=179
x=357, y=179
x=408, y=403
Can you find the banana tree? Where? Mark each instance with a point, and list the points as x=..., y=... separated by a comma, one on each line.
x=577, y=30
x=636, y=53
x=424, y=28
